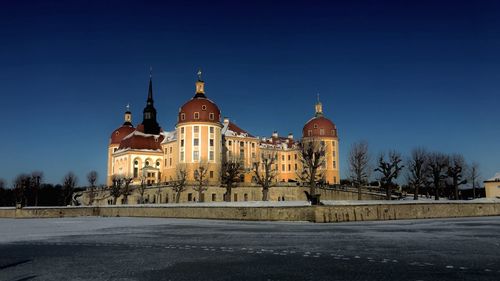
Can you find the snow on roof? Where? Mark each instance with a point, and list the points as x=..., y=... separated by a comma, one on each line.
x=496, y=177
x=169, y=136
x=138, y=133
x=232, y=130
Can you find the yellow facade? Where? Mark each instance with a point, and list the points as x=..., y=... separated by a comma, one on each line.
x=202, y=142
x=492, y=187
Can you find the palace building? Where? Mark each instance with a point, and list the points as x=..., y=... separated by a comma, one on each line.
x=148, y=153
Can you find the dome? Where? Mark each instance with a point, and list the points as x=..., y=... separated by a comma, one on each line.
x=120, y=133
x=319, y=127
x=199, y=108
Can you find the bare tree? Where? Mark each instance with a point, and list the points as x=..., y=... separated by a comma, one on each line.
x=201, y=178
x=417, y=168
x=141, y=189
x=437, y=166
x=266, y=176
x=231, y=170
x=456, y=168
x=179, y=184
x=36, y=181
x=116, y=187
x=312, y=157
x=359, y=160
x=92, y=179
x=21, y=183
x=127, y=189
x=390, y=169
x=69, y=182
x=474, y=176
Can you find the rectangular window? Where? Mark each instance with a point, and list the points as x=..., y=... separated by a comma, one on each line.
x=289, y=167
x=211, y=156
x=253, y=145
x=211, y=130
x=136, y=172
x=288, y=157
x=334, y=164
x=190, y=197
x=196, y=155
x=214, y=196
x=165, y=162
x=182, y=143
x=211, y=116
x=333, y=143
x=333, y=153
x=211, y=174
x=170, y=149
x=182, y=130
x=170, y=160
x=196, y=129
x=211, y=142
x=295, y=167
x=283, y=167
x=196, y=142
x=253, y=155
x=182, y=155
x=196, y=115
x=282, y=157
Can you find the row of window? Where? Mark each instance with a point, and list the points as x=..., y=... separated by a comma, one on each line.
x=196, y=116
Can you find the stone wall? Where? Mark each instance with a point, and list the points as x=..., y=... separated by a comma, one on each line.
x=165, y=194
x=378, y=210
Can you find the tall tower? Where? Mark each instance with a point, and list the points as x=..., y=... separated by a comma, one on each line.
x=115, y=139
x=322, y=131
x=199, y=133
x=149, y=123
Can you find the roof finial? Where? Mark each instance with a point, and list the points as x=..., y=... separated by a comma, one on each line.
x=150, y=72
x=128, y=106
x=199, y=74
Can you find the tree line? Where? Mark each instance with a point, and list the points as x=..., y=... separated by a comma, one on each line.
x=29, y=189
x=425, y=172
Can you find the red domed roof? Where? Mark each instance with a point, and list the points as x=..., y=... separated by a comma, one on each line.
x=139, y=140
x=199, y=109
x=319, y=127
x=120, y=133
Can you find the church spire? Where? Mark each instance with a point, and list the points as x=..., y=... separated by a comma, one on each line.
x=150, y=91
x=149, y=122
x=319, y=108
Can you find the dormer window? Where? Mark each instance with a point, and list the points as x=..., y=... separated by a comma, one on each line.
x=309, y=133
x=315, y=126
x=183, y=116
x=203, y=107
x=196, y=115
x=211, y=116
x=321, y=131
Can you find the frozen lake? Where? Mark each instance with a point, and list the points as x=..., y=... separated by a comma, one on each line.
x=95, y=248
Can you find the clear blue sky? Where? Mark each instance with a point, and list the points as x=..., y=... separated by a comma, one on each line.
x=398, y=74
